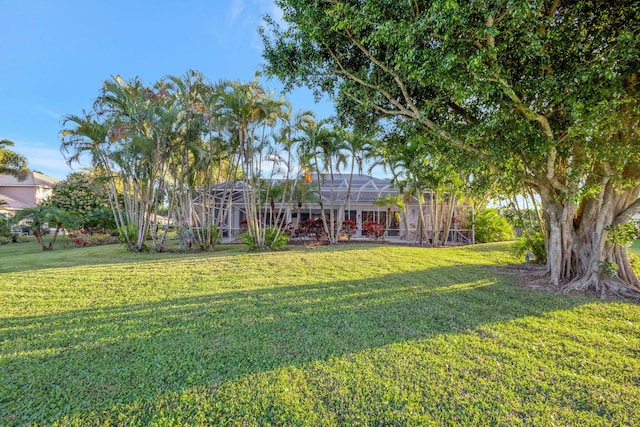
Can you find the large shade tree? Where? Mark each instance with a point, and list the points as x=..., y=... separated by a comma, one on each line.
x=83, y=197
x=542, y=91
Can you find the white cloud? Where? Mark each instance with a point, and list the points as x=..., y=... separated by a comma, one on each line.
x=44, y=158
x=265, y=7
x=270, y=8
x=48, y=112
x=235, y=10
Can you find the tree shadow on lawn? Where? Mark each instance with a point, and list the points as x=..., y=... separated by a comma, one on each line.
x=92, y=360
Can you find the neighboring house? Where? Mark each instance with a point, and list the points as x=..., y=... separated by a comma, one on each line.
x=18, y=195
x=360, y=207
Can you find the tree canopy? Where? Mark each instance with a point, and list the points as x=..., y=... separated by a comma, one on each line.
x=83, y=196
x=12, y=163
x=543, y=93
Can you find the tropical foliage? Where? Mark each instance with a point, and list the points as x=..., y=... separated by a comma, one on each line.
x=42, y=219
x=12, y=163
x=491, y=226
x=183, y=147
x=374, y=230
x=328, y=149
x=83, y=196
x=390, y=202
x=541, y=94
x=162, y=148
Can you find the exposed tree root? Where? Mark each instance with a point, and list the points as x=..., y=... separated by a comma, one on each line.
x=538, y=277
x=604, y=286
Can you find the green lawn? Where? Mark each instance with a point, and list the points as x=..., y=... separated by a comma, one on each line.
x=353, y=335
x=635, y=247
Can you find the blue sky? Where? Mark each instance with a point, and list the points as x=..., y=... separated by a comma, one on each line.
x=55, y=55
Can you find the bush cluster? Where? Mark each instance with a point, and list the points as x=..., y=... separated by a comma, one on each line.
x=348, y=228
x=373, y=230
x=310, y=228
x=533, y=243
x=83, y=238
x=490, y=226
x=273, y=239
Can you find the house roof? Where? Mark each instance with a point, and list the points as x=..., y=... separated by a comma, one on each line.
x=33, y=179
x=12, y=204
x=364, y=189
x=18, y=195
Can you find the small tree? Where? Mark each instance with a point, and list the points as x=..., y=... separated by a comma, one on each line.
x=40, y=218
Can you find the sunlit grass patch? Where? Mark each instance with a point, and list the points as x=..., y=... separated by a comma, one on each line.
x=348, y=335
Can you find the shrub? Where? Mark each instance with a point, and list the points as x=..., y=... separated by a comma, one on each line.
x=310, y=228
x=533, y=243
x=82, y=238
x=373, y=230
x=5, y=240
x=130, y=230
x=273, y=239
x=185, y=237
x=490, y=226
x=215, y=236
x=348, y=228
x=211, y=239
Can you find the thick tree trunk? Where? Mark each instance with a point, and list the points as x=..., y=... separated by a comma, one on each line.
x=55, y=235
x=579, y=255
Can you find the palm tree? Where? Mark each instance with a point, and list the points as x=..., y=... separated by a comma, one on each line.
x=130, y=136
x=303, y=192
x=85, y=135
x=283, y=181
x=358, y=147
x=428, y=171
x=197, y=160
x=41, y=216
x=403, y=159
x=325, y=150
x=248, y=110
x=390, y=201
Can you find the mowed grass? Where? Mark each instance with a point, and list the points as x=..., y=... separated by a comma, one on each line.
x=347, y=335
x=635, y=247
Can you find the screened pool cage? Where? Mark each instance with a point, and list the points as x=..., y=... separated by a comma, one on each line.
x=360, y=201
